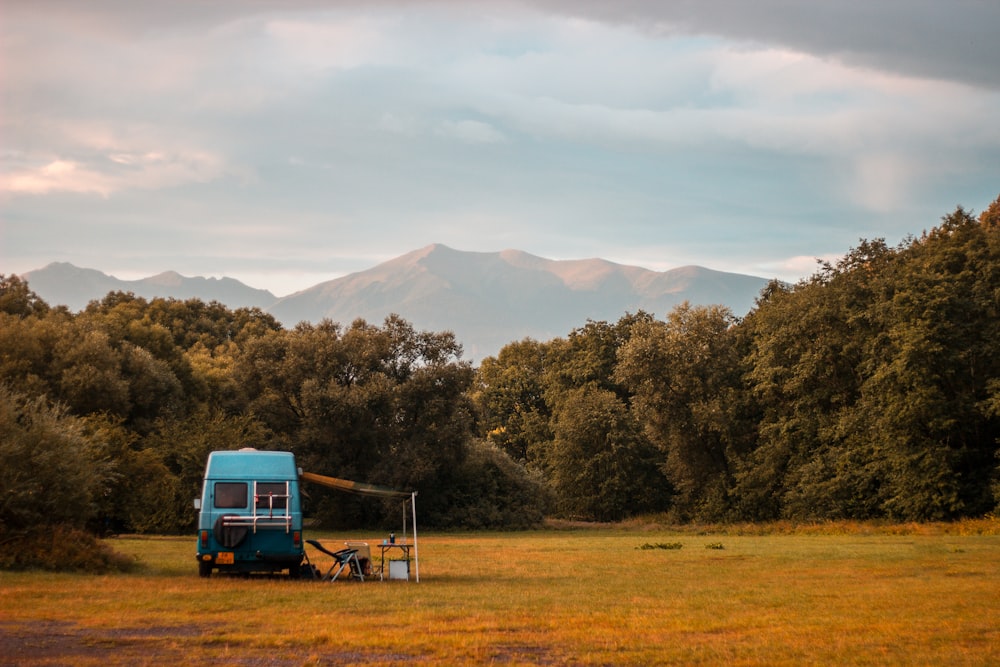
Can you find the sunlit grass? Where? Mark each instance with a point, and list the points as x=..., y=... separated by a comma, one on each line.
x=853, y=594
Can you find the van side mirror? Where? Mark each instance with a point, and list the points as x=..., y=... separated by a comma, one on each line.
x=197, y=504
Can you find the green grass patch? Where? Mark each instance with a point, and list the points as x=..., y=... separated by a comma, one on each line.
x=573, y=595
x=666, y=546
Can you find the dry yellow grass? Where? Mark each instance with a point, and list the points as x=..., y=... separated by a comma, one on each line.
x=879, y=595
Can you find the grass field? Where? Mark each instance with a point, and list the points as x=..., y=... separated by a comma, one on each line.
x=608, y=595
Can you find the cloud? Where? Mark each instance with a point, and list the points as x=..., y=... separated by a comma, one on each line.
x=792, y=269
x=106, y=170
x=337, y=42
x=308, y=129
x=471, y=132
x=873, y=129
x=952, y=40
x=403, y=125
x=58, y=175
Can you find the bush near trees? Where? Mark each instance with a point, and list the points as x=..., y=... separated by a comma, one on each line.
x=869, y=391
x=52, y=477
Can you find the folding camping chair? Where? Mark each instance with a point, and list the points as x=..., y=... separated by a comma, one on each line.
x=364, y=557
x=342, y=559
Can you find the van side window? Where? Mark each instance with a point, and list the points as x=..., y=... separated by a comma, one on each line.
x=231, y=494
x=276, y=489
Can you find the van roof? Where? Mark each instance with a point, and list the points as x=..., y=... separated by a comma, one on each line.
x=251, y=464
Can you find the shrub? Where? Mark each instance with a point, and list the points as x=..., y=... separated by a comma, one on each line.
x=50, y=477
x=490, y=490
x=660, y=545
x=49, y=469
x=62, y=549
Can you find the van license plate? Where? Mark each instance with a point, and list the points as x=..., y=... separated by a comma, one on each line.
x=224, y=558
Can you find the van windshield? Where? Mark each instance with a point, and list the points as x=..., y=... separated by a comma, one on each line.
x=230, y=495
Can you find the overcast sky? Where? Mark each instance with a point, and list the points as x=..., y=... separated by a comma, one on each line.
x=288, y=142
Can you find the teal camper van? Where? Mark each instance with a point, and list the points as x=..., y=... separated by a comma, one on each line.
x=250, y=515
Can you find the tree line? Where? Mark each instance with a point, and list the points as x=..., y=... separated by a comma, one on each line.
x=870, y=390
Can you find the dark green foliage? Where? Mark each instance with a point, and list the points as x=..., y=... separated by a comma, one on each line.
x=387, y=405
x=51, y=473
x=510, y=398
x=667, y=546
x=158, y=482
x=489, y=491
x=685, y=374
x=18, y=300
x=149, y=388
x=600, y=463
x=874, y=379
x=559, y=407
x=54, y=477
x=869, y=391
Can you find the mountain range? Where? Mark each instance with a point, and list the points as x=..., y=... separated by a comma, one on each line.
x=488, y=299
x=63, y=284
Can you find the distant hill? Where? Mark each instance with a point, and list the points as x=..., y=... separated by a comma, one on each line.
x=488, y=299
x=60, y=283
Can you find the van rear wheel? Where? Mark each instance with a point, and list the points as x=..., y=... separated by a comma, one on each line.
x=204, y=569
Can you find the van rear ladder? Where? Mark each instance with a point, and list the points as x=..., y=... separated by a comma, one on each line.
x=266, y=502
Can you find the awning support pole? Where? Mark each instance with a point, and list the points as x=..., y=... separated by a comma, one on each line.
x=416, y=551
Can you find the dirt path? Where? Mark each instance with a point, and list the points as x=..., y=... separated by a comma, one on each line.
x=53, y=643
x=59, y=642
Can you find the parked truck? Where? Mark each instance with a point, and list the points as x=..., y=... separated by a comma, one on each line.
x=250, y=514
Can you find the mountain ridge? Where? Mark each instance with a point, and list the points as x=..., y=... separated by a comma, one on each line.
x=62, y=283
x=488, y=299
